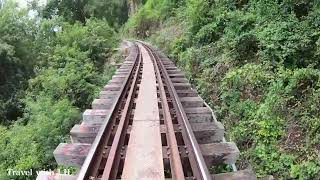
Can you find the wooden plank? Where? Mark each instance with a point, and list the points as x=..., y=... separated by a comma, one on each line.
x=94, y=116
x=112, y=87
x=118, y=77
x=71, y=154
x=176, y=71
x=102, y=104
x=179, y=80
x=116, y=81
x=208, y=132
x=238, y=175
x=108, y=94
x=144, y=153
x=213, y=153
x=181, y=86
x=217, y=153
x=171, y=68
x=121, y=73
x=84, y=133
x=178, y=75
x=187, y=93
x=199, y=114
x=188, y=102
x=123, y=70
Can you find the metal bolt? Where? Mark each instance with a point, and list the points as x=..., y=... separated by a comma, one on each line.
x=106, y=147
x=187, y=152
x=104, y=152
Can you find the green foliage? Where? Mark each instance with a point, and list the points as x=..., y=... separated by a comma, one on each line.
x=16, y=63
x=271, y=160
x=279, y=109
x=30, y=146
x=257, y=63
x=147, y=19
x=78, y=56
x=72, y=11
x=75, y=78
x=247, y=82
x=306, y=170
x=115, y=12
x=50, y=71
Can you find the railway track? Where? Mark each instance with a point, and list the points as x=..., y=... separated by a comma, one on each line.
x=148, y=123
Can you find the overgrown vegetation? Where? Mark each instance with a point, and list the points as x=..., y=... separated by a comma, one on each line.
x=257, y=63
x=51, y=70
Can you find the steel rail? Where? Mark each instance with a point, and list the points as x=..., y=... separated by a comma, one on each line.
x=175, y=160
x=109, y=170
x=204, y=172
x=90, y=163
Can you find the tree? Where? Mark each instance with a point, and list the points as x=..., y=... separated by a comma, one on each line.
x=50, y=70
x=114, y=11
x=71, y=10
x=16, y=61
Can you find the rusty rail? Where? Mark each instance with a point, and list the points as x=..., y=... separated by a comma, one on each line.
x=199, y=168
x=175, y=160
x=98, y=151
x=114, y=154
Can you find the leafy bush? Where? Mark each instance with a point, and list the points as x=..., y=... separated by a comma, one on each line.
x=257, y=63
x=147, y=19
x=30, y=146
x=70, y=63
x=306, y=170
x=76, y=61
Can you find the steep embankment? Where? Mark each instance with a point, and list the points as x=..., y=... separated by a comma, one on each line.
x=257, y=63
